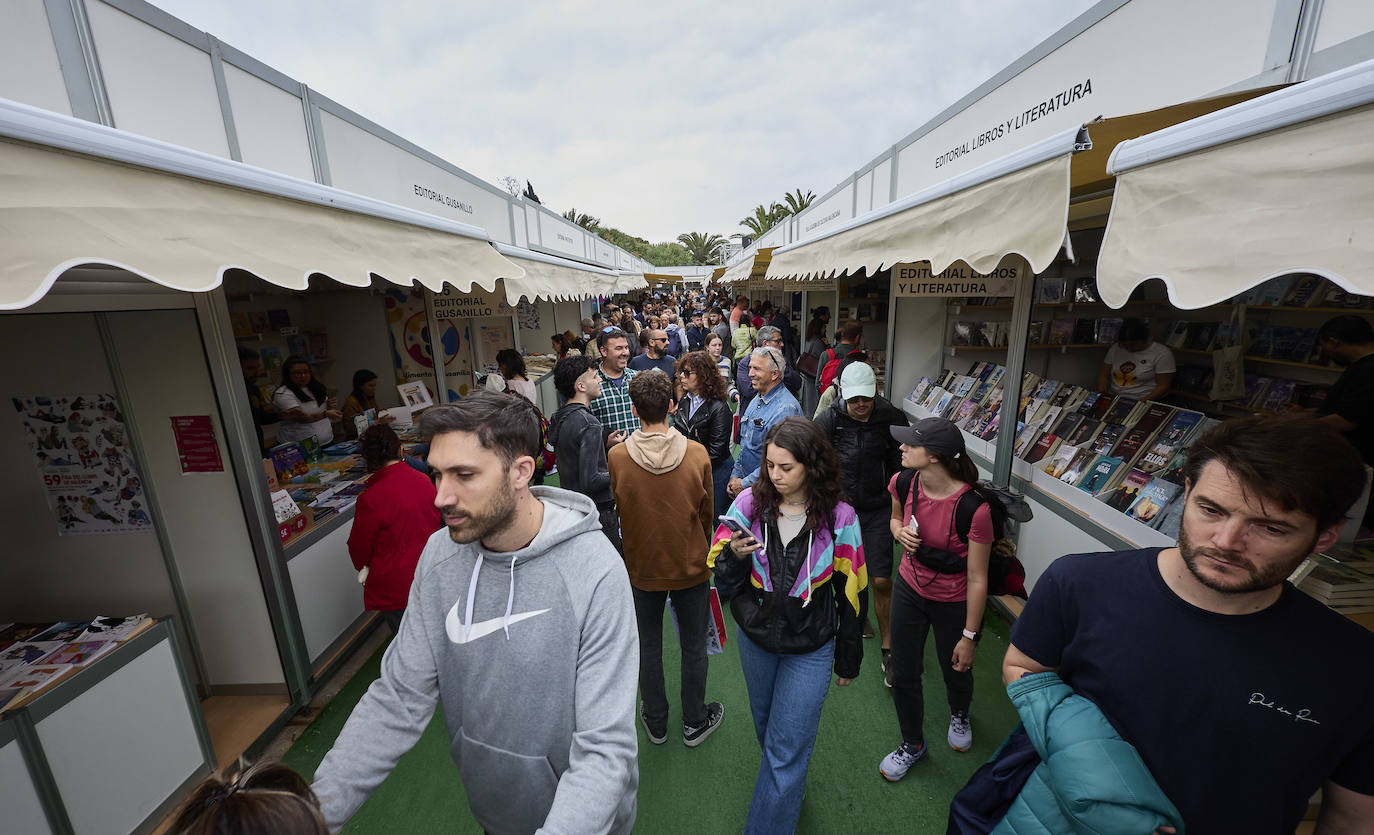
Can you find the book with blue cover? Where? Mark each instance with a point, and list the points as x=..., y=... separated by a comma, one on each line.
x=1100, y=474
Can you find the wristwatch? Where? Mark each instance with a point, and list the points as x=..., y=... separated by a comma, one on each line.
x=973, y=636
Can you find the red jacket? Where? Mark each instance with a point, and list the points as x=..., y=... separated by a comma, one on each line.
x=394, y=519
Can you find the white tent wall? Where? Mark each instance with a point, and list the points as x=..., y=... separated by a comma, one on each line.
x=359, y=337
x=29, y=67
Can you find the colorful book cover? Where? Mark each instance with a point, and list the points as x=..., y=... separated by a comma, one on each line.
x=921, y=387
x=243, y=327
x=932, y=397
x=1058, y=461
x=1303, y=291
x=1169, y=440
x=1079, y=467
x=32, y=677
x=1038, y=332
x=1101, y=407
x=271, y=360
x=319, y=346
x=26, y=652
x=1044, y=446
x=1120, y=409
x=1142, y=433
x=1065, y=393
x=1107, y=329
x=965, y=410
x=1067, y=423
x=1125, y=495
x=1107, y=438
x=1153, y=498
x=1085, y=406
x=1047, y=389
x=78, y=653
x=258, y=319
x=67, y=630
x=1049, y=290
x=1273, y=291
x=1085, y=290
x=1085, y=432
x=288, y=461
x=1026, y=440
x=945, y=399
x=963, y=386
x=1061, y=332
x=1099, y=474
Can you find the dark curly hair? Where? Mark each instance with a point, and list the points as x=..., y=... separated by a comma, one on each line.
x=266, y=798
x=812, y=449
x=704, y=369
x=379, y=445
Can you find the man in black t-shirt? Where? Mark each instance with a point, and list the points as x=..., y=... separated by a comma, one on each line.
x=1243, y=695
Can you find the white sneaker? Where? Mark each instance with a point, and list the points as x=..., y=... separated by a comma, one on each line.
x=960, y=731
x=895, y=765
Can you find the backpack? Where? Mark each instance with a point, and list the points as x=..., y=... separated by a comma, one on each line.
x=830, y=366
x=1006, y=575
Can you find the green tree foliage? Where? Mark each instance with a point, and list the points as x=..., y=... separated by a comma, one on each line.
x=660, y=255
x=584, y=220
x=702, y=248
x=797, y=202
x=764, y=219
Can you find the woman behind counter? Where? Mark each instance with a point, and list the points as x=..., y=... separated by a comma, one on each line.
x=512, y=367
x=362, y=398
x=394, y=519
x=306, y=409
x=1136, y=366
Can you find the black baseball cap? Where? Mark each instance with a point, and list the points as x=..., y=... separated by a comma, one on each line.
x=936, y=434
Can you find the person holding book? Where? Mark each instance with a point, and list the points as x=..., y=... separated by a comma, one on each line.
x=1237, y=690
x=941, y=584
x=358, y=401
x=791, y=560
x=306, y=409
x=1136, y=366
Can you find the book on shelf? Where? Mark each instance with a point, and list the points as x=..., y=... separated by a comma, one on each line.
x=1333, y=295
x=1303, y=291
x=79, y=653
x=943, y=405
x=962, y=334
x=1101, y=407
x=963, y=385
x=1329, y=578
x=1126, y=492
x=920, y=389
x=1256, y=387
x=1067, y=423
x=1271, y=292
x=989, y=433
x=1107, y=437
x=1038, y=332
x=1063, y=395
x=1085, y=432
x=1169, y=440
x=995, y=375
x=1100, y=474
x=1200, y=335
x=965, y=410
x=1178, y=334
x=1152, y=499
x=1085, y=406
x=1058, y=461
x=1084, y=331
x=1085, y=290
x=1138, y=436
x=1119, y=409
x=1079, y=466
x=1044, y=446
x=1060, y=332
x=1049, y=290
x=932, y=398
x=1047, y=389
x=1026, y=439
x=1356, y=555
x=1279, y=395
x=1107, y=329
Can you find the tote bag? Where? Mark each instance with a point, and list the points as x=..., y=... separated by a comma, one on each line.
x=1228, y=363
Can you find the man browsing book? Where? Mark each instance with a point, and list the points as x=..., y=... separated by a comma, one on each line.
x=1237, y=690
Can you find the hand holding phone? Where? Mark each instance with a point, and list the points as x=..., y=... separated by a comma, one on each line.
x=743, y=541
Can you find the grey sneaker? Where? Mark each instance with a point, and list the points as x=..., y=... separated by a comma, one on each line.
x=657, y=736
x=960, y=731
x=895, y=765
x=694, y=736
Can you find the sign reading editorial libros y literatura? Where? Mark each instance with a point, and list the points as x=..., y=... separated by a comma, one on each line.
x=959, y=280
x=81, y=447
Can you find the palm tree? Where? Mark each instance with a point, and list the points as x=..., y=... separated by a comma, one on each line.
x=798, y=202
x=764, y=219
x=585, y=221
x=702, y=248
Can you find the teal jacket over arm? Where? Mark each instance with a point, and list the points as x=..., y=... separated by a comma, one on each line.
x=1089, y=778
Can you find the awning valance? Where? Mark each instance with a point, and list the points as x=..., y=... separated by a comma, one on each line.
x=627, y=282
x=1280, y=184
x=1017, y=204
x=750, y=267
x=550, y=277
x=73, y=193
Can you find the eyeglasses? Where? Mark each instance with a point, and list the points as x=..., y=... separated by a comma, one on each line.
x=684, y=373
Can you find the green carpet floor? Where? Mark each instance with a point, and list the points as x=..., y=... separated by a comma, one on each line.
x=707, y=789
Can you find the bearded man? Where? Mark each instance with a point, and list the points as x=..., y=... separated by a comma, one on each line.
x=522, y=622
x=1242, y=695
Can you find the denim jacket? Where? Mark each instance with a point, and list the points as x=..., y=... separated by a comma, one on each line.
x=764, y=411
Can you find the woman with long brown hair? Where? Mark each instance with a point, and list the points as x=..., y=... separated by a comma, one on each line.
x=703, y=415
x=941, y=584
x=795, y=563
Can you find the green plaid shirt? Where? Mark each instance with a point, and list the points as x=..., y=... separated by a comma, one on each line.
x=612, y=408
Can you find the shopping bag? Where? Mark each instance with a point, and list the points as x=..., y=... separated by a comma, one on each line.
x=1228, y=363
x=715, y=624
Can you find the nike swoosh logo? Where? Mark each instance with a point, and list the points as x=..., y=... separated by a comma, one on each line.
x=453, y=624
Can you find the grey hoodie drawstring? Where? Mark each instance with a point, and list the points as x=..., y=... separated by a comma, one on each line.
x=472, y=595
x=510, y=599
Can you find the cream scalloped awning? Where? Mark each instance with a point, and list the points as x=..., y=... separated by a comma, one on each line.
x=554, y=278
x=749, y=267
x=1281, y=184
x=74, y=193
x=627, y=282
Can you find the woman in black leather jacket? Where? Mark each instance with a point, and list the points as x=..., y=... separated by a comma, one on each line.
x=704, y=416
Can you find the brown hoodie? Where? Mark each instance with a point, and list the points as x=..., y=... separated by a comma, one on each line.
x=662, y=486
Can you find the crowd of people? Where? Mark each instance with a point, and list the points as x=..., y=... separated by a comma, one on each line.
x=729, y=462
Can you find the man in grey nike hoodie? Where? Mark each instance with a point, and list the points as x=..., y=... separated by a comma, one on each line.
x=531, y=648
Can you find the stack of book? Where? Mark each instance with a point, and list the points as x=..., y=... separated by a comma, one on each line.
x=36, y=655
x=973, y=401
x=1301, y=290
x=1341, y=578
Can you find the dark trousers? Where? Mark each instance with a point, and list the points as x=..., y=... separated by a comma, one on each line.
x=912, y=617
x=610, y=526
x=392, y=618
x=720, y=479
x=693, y=608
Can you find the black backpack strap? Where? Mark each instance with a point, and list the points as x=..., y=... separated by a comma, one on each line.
x=963, y=512
x=906, y=481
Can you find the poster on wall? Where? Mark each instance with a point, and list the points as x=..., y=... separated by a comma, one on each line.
x=197, y=448
x=527, y=314
x=81, y=448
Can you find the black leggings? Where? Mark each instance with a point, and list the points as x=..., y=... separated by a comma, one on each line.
x=912, y=617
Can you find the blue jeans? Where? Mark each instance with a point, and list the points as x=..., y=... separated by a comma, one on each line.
x=720, y=479
x=786, y=693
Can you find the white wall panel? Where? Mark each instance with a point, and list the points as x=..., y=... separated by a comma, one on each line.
x=1342, y=20
x=270, y=124
x=363, y=163
x=29, y=71
x=522, y=235
x=18, y=794
x=605, y=253
x=558, y=234
x=825, y=215
x=863, y=193
x=328, y=595
x=1211, y=46
x=158, y=86
x=882, y=183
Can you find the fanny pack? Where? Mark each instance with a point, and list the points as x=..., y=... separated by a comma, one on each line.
x=940, y=560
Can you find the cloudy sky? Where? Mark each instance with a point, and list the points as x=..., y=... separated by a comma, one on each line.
x=657, y=118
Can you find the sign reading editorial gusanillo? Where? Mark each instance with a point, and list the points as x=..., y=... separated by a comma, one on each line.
x=1007, y=127
x=916, y=280
x=440, y=197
